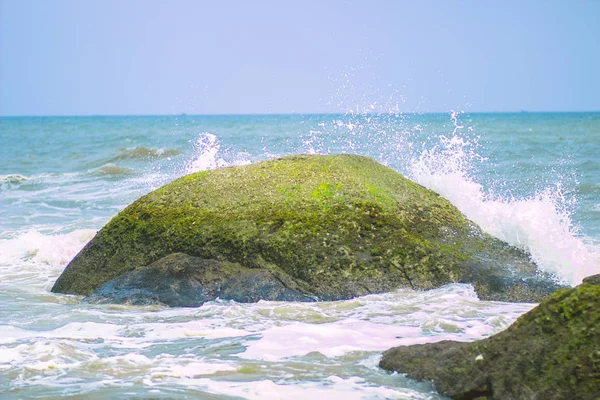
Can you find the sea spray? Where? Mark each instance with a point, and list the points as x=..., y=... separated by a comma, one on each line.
x=539, y=223
x=207, y=154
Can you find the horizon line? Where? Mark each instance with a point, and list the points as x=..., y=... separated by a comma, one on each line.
x=295, y=114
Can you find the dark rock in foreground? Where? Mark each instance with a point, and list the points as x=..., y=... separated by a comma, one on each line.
x=179, y=280
x=551, y=352
x=328, y=227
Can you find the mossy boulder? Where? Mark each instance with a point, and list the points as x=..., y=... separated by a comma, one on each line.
x=551, y=352
x=336, y=226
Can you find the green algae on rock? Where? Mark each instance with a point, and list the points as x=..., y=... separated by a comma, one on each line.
x=551, y=352
x=338, y=226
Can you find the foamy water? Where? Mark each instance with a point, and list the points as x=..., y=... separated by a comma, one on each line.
x=272, y=350
x=52, y=346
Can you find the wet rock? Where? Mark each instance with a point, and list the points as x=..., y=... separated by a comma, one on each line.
x=551, y=352
x=179, y=280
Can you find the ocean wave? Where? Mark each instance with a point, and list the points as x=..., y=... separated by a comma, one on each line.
x=589, y=165
x=144, y=153
x=32, y=261
x=53, y=250
x=13, y=179
x=539, y=224
x=16, y=182
x=112, y=170
x=589, y=188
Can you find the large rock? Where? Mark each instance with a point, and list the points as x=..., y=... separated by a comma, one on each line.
x=331, y=227
x=552, y=352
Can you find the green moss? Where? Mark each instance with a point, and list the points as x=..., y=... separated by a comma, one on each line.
x=328, y=221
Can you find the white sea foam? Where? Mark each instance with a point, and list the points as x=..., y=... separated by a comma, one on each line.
x=73, y=330
x=54, y=250
x=42, y=355
x=378, y=322
x=205, y=328
x=32, y=261
x=331, y=340
x=332, y=387
x=176, y=368
x=277, y=341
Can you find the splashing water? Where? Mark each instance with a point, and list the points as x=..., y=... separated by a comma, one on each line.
x=539, y=224
x=206, y=146
x=208, y=155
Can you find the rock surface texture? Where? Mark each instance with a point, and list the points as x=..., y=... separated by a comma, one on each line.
x=179, y=280
x=323, y=227
x=551, y=352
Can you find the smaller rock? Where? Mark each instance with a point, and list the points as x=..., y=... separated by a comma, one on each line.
x=551, y=352
x=180, y=280
x=592, y=280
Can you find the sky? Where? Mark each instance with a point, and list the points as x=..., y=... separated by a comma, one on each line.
x=96, y=57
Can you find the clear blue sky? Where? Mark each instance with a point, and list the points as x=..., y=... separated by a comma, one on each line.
x=86, y=57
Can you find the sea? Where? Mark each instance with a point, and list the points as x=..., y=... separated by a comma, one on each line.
x=531, y=179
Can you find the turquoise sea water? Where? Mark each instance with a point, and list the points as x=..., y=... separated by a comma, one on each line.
x=532, y=179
